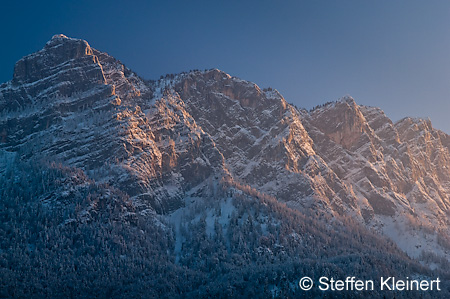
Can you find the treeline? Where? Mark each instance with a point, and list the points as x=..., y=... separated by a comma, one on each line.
x=322, y=105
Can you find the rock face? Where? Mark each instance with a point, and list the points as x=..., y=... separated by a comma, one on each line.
x=165, y=141
x=399, y=172
x=72, y=104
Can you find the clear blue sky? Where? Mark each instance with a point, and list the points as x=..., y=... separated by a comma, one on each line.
x=385, y=53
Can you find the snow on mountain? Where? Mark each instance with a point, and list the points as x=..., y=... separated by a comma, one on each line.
x=72, y=104
x=397, y=171
x=165, y=142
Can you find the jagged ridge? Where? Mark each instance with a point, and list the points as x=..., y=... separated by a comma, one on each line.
x=163, y=142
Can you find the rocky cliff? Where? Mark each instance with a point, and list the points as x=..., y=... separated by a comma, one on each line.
x=167, y=142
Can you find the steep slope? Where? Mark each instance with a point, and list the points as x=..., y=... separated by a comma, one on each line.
x=159, y=141
x=72, y=104
x=263, y=141
x=341, y=158
x=228, y=178
x=398, y=171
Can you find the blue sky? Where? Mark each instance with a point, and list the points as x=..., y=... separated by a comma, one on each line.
x=390, y=54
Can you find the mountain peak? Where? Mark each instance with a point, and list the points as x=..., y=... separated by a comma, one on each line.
x=424, y=123
x=347, y=99
x=56, y=51
x=59, y=36
x=59, y=39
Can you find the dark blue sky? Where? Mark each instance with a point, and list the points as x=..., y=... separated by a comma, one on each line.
x=390, y=54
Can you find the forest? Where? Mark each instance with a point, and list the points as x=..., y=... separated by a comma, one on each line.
x=64, y=235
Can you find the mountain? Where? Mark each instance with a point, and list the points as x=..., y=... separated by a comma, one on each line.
x=341, y=158
x=398, y=172
x=205, y=177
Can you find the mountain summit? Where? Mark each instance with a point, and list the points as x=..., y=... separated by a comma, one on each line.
x=168, y=148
